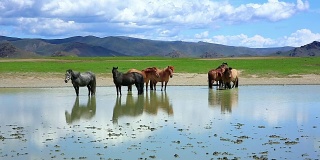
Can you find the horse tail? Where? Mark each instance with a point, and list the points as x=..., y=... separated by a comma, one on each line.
x=141, y=81
x=94, y=84
x=237, y=82
x=209, y=80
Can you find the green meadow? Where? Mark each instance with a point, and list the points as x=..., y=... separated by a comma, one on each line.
x=260, y=66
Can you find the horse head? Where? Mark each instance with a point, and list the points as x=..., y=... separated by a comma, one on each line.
x=170, y=69
x=228, y=72
x=68, y=75
x=115, y=71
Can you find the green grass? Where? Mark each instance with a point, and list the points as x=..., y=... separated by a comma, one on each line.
x=266, y=67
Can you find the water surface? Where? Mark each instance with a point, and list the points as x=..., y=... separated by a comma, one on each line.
x=185, y=122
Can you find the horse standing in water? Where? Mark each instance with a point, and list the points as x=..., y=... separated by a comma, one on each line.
x=230, y=75
x=147, y=73
x=127, y=79
x=215, y=75
x=81, y=80
x=164, y=76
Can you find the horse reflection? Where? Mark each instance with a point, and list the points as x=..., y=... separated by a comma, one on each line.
x=81, y=111
x=131, y=107
x=135, y=106
x=154, y=102
x=226, y=99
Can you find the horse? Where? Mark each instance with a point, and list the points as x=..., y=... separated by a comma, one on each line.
x=164, y=76
x=147, y=73
x=216, y=75
x=230, y=75
x=127, y=79
x=81, y=80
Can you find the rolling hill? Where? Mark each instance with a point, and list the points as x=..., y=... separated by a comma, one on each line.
x=89, y=46
x=308, y=50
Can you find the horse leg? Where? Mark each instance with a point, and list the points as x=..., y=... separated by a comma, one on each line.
x=233, y=84
x=153, y=84
x=165, y=86
x=151, y=87
x=77, y=90
x=130, y=88
x=89, y=89
x=237, y=82
x=117, y=88
x=93, y=90
x=161, y=86
x=120, y=90
x=226, y=85
x=209, y=82
x=139, y=87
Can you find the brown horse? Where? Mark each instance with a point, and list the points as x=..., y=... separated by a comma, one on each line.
x=230, y=75
x=164, y=76
x=215, y=75
x=148, y=73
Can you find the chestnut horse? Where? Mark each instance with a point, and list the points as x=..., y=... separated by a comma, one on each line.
x=230, y=75
x=148, y=73
x=215, y=75
x=164, y=76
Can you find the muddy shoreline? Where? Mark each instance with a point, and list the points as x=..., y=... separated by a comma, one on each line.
x=43, y=80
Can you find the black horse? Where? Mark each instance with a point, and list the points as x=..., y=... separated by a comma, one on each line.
x=82, y=79
x=127, y=79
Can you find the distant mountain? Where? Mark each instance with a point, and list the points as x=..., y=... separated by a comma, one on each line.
x=308, y=50
x=128, y=46
x=7, y=50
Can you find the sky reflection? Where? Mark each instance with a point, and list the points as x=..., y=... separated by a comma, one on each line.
x=184, y=119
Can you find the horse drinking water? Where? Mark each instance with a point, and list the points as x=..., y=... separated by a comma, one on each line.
x=127, y=79
x=81, y=80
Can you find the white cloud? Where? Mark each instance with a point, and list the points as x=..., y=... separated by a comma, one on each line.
x=47, y=26
x=299, y=38
x=296, y=39
x=255, y=41
x=156, y=18
x=149, y=11
x=302, y=5
x=202, y=35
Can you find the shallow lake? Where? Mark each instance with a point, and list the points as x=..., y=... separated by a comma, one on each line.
x=185, y=122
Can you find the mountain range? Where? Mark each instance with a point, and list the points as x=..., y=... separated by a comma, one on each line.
x=91, y=46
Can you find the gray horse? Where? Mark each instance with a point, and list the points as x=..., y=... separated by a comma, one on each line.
x=81, y=80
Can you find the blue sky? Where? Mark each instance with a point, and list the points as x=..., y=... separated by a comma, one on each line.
x=255, y=23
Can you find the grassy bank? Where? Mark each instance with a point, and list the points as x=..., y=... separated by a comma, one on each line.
x=260, y=66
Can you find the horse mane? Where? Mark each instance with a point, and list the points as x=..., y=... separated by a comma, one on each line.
x=171, y=67
x=75, y=74
x=150, y=69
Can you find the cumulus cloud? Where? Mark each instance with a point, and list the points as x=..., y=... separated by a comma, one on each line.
x=244, y=40
x=149, y=13
x=154, y=19
x=202, y=35
x=299, y=38
x=296, y=39
x=45, y=26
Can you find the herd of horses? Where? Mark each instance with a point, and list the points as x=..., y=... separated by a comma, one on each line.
x=222, y=75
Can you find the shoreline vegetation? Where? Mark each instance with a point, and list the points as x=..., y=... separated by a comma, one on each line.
x=50, y=72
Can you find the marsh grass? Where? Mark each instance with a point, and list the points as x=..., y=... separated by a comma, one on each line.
x=258, y=66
